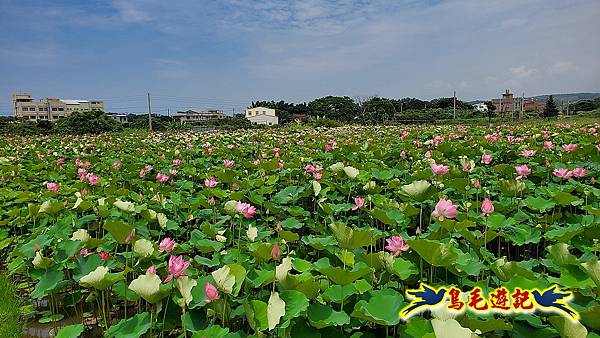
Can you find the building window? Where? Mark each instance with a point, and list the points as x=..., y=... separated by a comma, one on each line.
x=54, y=109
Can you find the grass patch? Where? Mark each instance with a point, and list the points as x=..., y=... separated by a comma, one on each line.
x=10, y=315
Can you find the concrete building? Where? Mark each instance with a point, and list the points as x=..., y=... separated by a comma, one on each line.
x=508, y=103
x=262, y=115
x=123, y=118
x=198, y=115
x=531, y=105
x=50, y=108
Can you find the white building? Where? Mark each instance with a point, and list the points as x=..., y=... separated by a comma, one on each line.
x=482, y=107
x=51, y=108
x=262, y=115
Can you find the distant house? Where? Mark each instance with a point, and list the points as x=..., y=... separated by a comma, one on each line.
x=198, y=115
x=508, y=103
x=123, y=118
x=531, y=104
x=262, y=115
x=481, y=107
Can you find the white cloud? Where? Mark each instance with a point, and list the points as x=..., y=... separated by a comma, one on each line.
x=130, y=12
x=522, y=71
x=563, y=68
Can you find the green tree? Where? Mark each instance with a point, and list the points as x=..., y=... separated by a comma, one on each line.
x=88, y=122
x=334, y=107
x=491, y=109
x=378, y=110
x=550, y=110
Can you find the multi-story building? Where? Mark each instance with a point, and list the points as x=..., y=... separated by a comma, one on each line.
x=198, y=115
x=508, y=103
x=50, y=108
x=262, y=115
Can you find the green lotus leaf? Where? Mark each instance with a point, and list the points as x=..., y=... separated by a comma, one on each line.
x=321, y=316
x=143, y=247
x=382, y=308
x=70, y=331
x=147, y=286
x=133, y=327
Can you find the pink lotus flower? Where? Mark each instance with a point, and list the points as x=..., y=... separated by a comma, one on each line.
x=309, y=168
x=403, y=154
x=177, y=266
x=396, y=245
x=148, y=168
x=93, y=179
x=84, y=192
x=130, y=236
x=212, y=202
x=162, y=178
x=246, y=209
x=528, y=153
x=522, y=171
x=327, y=148
x=444, y=209
x=548, y=145
x=151, y=270
x=359, y=202
x=276, y=252
x=60, y=161
x=172, y=172
x=439, y=169
x=545, y=133
x=177, y=162
x=427, y=154
x=486, y=159
x=211, y=183
x=317, y=176
x=84, y=252
x=166, y=245
x=142, y=173
x=569, y=148
x=104, y=256
x=476, y=183
x=563, y=173
x=117, y=164
x=280, y=165
x=579, y=172
x=211, y=292
x=487, y=207
x=228, y=163
x=81, y=172
x=52, y=186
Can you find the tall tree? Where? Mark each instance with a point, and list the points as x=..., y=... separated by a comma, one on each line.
x=491, y=109
x=550, y=110
x=335, y=108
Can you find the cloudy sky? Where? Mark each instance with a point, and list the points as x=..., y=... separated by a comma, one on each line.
x=224, y=54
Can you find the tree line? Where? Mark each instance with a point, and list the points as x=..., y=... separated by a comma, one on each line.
x=373, y=109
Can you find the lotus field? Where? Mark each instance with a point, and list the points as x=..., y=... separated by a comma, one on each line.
x=302, y=233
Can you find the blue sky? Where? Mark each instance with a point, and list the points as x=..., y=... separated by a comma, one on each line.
x=223, y=54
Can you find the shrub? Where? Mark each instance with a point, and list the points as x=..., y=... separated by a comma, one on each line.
x=327, y=123
x=88, y=122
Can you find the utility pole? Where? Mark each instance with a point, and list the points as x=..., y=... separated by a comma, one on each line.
x=522, y=106
x=149, y=114
x=169, y=112
x=454, y=104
